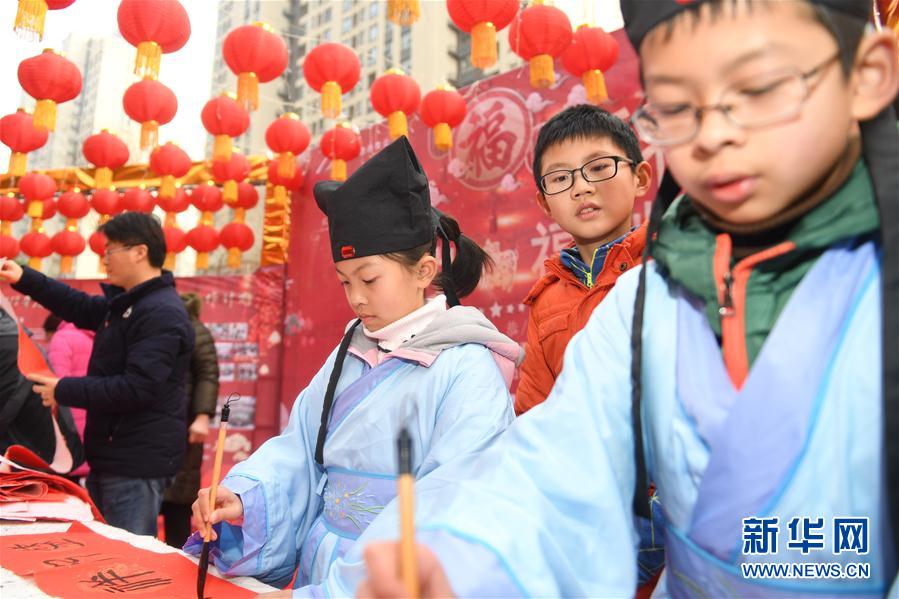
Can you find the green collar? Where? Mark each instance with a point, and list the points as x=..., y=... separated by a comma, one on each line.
x=686, y=244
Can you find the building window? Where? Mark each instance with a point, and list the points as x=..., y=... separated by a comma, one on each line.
x=371, y=56
x=371, y=78
x=326, y=16
x=326, y=35
x=373, y=9
x=373, y=33
x=346, y=25
x=347, y=4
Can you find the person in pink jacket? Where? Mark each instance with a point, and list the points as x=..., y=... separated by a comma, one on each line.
x=68, y=352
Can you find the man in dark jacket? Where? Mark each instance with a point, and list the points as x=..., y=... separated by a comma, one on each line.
x=134, y=389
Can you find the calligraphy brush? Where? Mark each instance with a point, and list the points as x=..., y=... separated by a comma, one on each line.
x=405, y=492
x=216, y=471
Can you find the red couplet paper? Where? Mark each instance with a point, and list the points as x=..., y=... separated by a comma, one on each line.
x=83, y=563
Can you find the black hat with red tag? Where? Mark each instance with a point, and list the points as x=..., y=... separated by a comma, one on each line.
x=383, y=207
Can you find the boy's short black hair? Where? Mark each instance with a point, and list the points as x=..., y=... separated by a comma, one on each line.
x=845, y=28
x=584, y=121
x=136, y=228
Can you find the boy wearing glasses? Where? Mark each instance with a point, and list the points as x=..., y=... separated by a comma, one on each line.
x=751, y=369
x=134, y=390
x=589, y=169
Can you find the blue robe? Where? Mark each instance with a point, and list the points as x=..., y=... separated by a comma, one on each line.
x=547, y=509
x=452, y=397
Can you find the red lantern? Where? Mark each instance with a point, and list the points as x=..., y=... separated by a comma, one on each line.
x=106, y=203
x=482, y=18
x=169, y=162
x=72, y=205
x=207, y=198
x=403, y=12
x=236, y=237
x=224, y=117
x=592, y=51
x=442, y=110
x=18, y=131
x=341, y=144
x=255, y=53
x=138, y=199
x=11, y=210
x=97, y=243
x=36, y=245
x=35, y=188
x=292, y=183
x=50, y=79
x=288, y=137
x=9, y=246
x=204, y=239
x=151, y=104
x=331, y=69
x=154, y=28
x=175, y=242
x=539, y=34
x=395, y=95
x=67, y=244
x=229, y=173
x=31, y=14
x=177, y=203
x=106, y=152
x=247, y=197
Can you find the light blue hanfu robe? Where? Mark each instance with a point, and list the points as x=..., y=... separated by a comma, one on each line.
x=546, y=511
x=448, y=385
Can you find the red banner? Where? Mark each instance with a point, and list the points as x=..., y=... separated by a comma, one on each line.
x=485, y=182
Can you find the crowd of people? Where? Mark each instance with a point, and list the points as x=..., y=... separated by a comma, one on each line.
x=727, y=367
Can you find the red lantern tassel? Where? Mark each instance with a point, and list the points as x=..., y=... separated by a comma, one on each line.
x=221, y=149
x=443, y=137
x=202, y=260
x=167, y=186
x=403, y=12
x=65, y=264
x=286, y=165
x=169, y=263
x=234, y=258
x=5, y=228
x=595, y=85
x=30, y=19
x=331, y=99
x=45, y=114
x=34, y=262
x=146, y=63
x=149, y=135
x=17, y=164
x=229, y=192
x=338, y=169
x=248, y=90
x=397, y=125
x=103, y=177
x=35, y=210
x=542, y=73
x=206, y=218
x=280, y=194
x=483, y=45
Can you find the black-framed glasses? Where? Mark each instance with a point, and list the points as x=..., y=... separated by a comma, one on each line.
x=759, y=101
x=594, y=171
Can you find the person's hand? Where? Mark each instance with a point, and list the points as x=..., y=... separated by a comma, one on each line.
x=46, y=388
x=199, y=429
x=383, y=581
x=10, y=271
x=228, y=507
x=285, y=594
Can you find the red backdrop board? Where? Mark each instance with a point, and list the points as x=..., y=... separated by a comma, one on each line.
x=485, y=181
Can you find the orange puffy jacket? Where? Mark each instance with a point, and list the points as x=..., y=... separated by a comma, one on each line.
x=560, y=307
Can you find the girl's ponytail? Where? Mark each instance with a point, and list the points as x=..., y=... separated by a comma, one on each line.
x=470, y=263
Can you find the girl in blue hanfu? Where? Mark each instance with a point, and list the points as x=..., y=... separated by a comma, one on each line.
x=439, y=369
